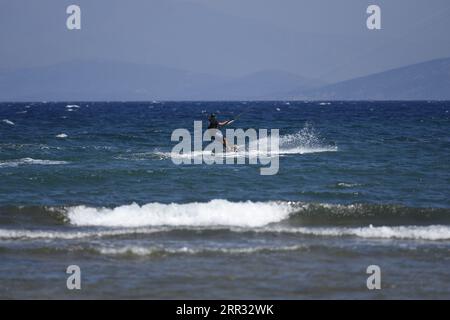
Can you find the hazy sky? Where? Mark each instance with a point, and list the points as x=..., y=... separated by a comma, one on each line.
x=325, y=39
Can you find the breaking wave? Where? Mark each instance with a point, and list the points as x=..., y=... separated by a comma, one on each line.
x=221, y=212
x=254, y=214
x=213, y=213
x=279, y=217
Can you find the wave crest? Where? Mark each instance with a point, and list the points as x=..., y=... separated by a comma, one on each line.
x=212, y=213
x=150, y=251
x=223, y=213
x=434, y=232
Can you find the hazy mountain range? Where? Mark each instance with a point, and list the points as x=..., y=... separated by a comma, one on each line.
x=100, y=80
x=424, y=81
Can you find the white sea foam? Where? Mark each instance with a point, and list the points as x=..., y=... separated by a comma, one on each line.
x=433, y=232
x=146, y=251
x=62, y=135
x=30, y=161
x=260, y=217
x=429, y=233
x=72, y=107
x=70, y=235
x=347, y=185
x=212, y=213
x=303, y=142
x=8, y=122
x=306, y=140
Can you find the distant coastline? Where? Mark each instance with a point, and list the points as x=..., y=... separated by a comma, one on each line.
x=118, y=81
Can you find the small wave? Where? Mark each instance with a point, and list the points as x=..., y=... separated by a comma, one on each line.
x=142, y=156
x=62, y=135
x=150, y=251
x=429, y=233
x=69, y=235
x=30, y=161
x=72, y=107
x=434, y=232
x=347, y=185
x=213, y=213
x=9, y=122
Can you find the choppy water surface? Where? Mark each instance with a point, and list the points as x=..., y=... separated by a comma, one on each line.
x=93, y=184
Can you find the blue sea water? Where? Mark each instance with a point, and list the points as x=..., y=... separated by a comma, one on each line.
x=93, y=184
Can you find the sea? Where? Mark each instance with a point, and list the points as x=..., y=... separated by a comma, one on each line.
x=361, y=186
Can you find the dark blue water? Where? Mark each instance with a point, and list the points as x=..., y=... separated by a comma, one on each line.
x=93, y=184
x=386, y=153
